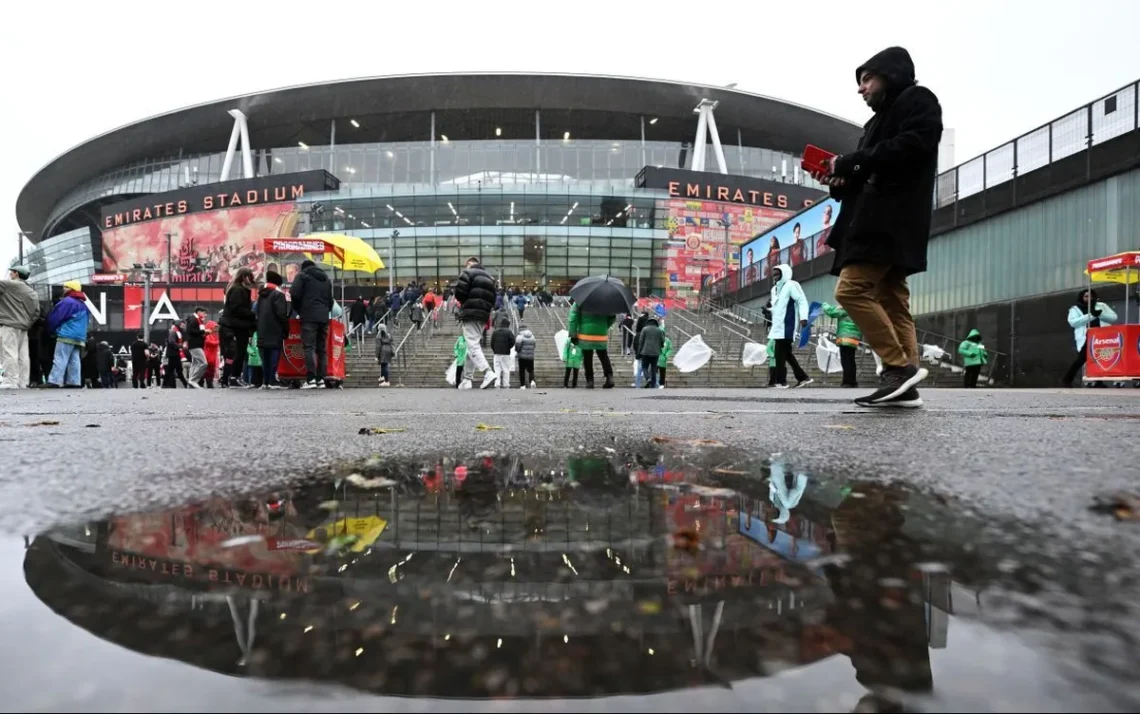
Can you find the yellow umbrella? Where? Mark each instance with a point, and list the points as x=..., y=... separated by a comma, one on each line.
x=348, y=253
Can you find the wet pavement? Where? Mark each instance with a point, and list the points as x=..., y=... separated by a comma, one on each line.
x=680, y=551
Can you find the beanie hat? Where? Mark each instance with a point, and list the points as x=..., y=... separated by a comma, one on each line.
x=307, y=264
x=73, y=285
x=272, y=277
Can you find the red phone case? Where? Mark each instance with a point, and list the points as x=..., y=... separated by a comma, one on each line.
x=816, y=160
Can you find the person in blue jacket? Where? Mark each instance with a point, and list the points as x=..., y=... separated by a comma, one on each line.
x=68, y=322
x=1088, y=312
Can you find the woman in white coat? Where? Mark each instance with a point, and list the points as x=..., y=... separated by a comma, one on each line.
x=1088, y=312
x=789, y=308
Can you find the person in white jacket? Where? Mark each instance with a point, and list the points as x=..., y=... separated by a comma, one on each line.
x=1088, y=312
x=789, y=309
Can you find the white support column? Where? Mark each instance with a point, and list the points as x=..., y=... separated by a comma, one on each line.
x=706, y=124
x=229, y=160
x=718, y=151
x=241, y=131
x=699, y=142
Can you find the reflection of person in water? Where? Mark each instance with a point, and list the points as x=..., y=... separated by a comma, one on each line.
x=785, y=490
x=878, y=605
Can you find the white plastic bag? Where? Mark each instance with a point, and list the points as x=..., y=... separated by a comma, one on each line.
x=755, y=354
x=693, y=355
x=449, y=375
x=560, y=339
x=827, y=355
x=514, y=361
x=933, y=354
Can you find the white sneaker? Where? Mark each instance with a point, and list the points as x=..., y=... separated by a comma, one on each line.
x=523, y=388
x=313, y=384
x=194, y=385
x=780, y=386
x=533, y=385
x=465, y=384
x=489, y=378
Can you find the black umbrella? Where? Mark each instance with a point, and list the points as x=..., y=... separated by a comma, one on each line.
x=602, y=295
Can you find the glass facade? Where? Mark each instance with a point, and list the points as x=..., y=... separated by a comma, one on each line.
x=528, y=236
x=67, y=256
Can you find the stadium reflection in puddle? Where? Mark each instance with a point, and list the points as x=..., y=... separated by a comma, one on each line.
x=495, y=576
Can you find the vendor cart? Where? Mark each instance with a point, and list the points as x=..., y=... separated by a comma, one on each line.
x=291, y=367
x=1114, y=350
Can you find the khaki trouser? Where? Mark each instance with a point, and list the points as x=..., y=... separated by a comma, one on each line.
x=14, y=358
x=877, y=298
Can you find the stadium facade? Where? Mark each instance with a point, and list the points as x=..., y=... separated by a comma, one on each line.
x=548, y=178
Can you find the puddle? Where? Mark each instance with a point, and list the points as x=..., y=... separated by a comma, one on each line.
x=676, y=578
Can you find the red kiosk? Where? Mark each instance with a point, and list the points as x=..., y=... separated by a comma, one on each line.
x=1114, y=350
x=291, y=367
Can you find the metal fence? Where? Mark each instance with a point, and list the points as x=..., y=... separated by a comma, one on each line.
x=1095, y=123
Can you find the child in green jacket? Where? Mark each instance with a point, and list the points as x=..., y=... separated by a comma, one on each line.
x=253, y=363
x=974, y=357
x=663, y=361
x=847, y=338
x=572, y=355
x=460, y=353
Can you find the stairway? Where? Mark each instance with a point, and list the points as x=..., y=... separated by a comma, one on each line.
x=425, y=356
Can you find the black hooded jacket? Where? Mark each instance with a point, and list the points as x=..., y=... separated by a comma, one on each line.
x=312, y=295
x=888, y=198
x=238, y=312
x=272, y=318
x=475, y=292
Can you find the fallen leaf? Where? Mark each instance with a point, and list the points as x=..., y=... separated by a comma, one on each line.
x=569, y=411
x=838, y=426
x=44, y=423
x=488, y=427
x=1124, y=506
x=730, y=472
x=368, y=430
x=92, y=426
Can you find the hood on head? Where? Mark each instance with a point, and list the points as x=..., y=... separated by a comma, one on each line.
x=267, y=290
x=652, y=321
x=893, y=63
x=504, y=322
x=783, y=273
x=974, y=335
x=383, y=329
x=316, y=273
x=1093, y=297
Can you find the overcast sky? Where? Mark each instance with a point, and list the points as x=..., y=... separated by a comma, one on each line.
x=1000, y=68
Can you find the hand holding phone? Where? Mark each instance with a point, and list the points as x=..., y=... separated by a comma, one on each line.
x=817, y=161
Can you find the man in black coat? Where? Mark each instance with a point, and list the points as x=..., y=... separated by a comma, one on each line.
x=272, y=326
x=312, y=296
x=886, y=190
x=140, y=353
x=475, y=292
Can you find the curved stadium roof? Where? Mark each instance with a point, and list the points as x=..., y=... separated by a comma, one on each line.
x=280, y=117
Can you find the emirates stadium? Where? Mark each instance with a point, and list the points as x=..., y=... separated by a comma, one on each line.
x=547, y=177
